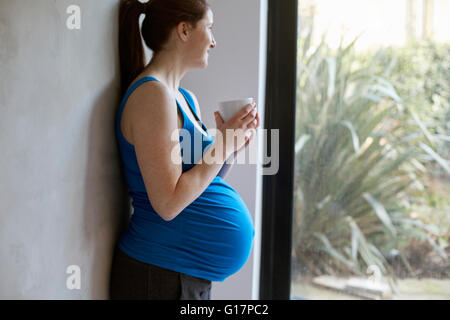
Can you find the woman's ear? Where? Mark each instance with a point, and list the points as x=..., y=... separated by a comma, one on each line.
x=183, y=30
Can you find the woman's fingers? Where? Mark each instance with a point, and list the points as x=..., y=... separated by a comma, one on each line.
x=218, y=117
x=246, y=111
x=254, y=123
x=250, y=115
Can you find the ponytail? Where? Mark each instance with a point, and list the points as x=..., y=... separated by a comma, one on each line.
x=131, y=50
x=161, y=16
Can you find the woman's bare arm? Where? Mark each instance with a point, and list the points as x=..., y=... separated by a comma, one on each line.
x=154, y=126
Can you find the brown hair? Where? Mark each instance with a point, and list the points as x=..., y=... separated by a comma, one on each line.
x=161, y=16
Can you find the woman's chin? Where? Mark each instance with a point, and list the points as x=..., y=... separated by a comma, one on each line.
x=202, y=63
x=205, y=62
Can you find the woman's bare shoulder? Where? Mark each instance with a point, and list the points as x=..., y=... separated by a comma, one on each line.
x=149, y=101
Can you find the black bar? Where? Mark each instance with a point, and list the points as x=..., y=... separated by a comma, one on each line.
x=220, y=309
x=277, y=206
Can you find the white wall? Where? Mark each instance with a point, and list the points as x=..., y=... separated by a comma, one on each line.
x=62, y=195
x=61, y=190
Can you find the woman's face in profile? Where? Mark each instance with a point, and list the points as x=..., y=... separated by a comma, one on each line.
x=203, y=39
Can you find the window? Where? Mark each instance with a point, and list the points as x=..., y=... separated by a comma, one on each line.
x=359, y=209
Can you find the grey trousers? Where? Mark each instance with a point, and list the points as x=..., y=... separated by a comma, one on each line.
x=135, y=280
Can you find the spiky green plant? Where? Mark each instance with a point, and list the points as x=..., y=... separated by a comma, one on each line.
x=353, y=160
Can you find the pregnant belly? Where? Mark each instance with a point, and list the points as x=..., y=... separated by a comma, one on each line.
x=217, y=228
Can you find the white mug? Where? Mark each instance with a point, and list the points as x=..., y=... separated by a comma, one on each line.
x=228, y=109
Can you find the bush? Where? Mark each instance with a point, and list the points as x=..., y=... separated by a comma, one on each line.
x=359, y=148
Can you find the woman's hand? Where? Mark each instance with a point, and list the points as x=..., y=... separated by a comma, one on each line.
x=248, y=120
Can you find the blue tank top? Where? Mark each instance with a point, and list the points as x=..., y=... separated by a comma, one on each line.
x=211, y=238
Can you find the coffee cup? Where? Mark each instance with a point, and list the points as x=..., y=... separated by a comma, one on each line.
x=228, y=109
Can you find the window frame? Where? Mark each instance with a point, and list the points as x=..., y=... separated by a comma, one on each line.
x=277, y=193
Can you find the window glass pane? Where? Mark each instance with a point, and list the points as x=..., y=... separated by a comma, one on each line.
x=372, y=169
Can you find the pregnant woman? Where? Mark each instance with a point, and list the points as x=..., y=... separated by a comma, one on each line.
x=189, y=227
